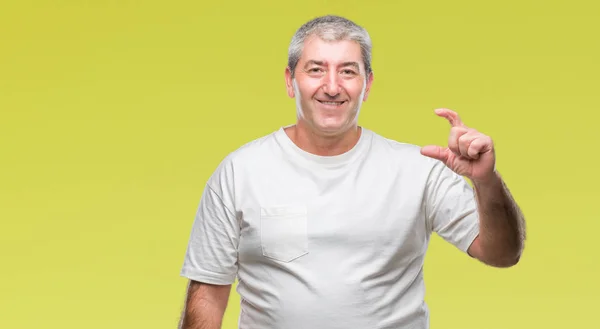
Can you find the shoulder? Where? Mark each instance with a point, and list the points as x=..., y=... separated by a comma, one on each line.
x=406, y=158
x=246, y=154
x=253, y=150
x=404, y=152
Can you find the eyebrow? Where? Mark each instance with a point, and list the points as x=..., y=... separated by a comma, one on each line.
x=321, y=63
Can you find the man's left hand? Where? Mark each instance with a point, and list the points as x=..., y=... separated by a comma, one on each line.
x=469, y=152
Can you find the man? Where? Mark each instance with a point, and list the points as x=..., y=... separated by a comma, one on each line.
x=324, y=222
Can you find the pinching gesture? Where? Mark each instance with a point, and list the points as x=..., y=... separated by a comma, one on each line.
x=469, y=153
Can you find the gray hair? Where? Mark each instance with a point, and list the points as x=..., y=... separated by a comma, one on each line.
x=330, y=28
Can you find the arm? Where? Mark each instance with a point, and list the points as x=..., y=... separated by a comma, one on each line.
x=205, y=306
x=501, y=224
x=211, y=259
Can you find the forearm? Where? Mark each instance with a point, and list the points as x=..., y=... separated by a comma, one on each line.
x=202, y=310
x=201, y=315
x=501, y=222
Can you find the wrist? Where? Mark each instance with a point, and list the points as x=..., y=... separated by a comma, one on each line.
x=491, y=180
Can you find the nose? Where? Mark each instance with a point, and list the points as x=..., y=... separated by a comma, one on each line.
x=331, y=84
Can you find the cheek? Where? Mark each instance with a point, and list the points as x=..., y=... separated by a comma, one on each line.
x=356, y=90
x=309, y=87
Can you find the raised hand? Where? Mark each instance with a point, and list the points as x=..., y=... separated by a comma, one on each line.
x=469, y=153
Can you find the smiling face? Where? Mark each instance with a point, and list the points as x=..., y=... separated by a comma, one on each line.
x=330, y=85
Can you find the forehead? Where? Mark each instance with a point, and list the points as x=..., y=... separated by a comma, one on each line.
x=331, y=52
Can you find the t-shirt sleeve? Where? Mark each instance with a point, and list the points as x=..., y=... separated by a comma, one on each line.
x=212, y=250
x=451, y=207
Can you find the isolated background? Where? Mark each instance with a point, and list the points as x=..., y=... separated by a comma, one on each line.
x=114, y=113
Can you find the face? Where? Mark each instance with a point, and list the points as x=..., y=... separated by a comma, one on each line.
x=330, y=85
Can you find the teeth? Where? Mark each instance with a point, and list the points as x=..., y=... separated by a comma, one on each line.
x=332, y=103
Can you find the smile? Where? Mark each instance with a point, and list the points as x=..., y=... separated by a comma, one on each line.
x=331, y=103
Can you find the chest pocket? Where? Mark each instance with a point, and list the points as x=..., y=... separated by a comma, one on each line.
x=284, y=232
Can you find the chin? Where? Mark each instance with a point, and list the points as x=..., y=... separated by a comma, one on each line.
x=332, y=129
x=329, y=125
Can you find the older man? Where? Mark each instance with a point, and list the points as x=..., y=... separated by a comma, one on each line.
x=326, y=223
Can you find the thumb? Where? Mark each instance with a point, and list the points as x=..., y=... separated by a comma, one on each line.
x=435, y=152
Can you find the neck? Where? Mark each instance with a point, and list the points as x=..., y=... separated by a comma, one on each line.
x=321, y=144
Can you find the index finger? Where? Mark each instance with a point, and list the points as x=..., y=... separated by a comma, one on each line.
x=451, y=116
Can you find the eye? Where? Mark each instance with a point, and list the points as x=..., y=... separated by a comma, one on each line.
x=348, y=72
x=315, y=72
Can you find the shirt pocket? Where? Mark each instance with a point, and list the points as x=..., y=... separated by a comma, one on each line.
x=283, y=232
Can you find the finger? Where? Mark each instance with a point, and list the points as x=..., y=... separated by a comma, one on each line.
x=453, y=138
x=479, y=145
x=464, y=144
x=436, y=152
x=451, y=116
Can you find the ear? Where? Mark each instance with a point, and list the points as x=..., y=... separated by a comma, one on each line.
x=368, y=88
x=288, y=82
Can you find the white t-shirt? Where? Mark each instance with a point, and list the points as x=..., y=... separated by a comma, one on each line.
x=327, y=242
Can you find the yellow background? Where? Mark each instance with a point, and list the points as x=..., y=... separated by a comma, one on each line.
x=114, y=113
